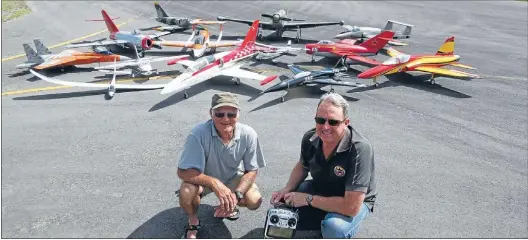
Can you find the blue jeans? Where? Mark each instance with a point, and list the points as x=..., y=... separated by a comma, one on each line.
x=332, y=225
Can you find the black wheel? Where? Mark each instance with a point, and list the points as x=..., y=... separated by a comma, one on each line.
x=185, y=95
x=282, y=99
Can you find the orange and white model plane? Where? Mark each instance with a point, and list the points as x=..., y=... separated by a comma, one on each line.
x=226, y=63
x=400, y=62
x=200, y=44
x=44, y=59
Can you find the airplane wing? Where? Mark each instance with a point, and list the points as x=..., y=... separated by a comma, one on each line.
x=296, y=69
x=330, y=81
x=57, y=62
x=157, y=35
x=175, y=43
x=240, y=73
x=462, y=66
x=97, y=43
x=446, y=72
x=119, y=65
x=224, y=44
x=295, y=25
x=204, y=22
x=248, y=22
x=97, y=85
x=363, y=60
x=393, y=52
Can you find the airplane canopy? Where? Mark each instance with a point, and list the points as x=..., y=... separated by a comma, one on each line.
x=401, y=58
x=326, y=42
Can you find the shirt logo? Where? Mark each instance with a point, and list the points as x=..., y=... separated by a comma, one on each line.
x=339, y=171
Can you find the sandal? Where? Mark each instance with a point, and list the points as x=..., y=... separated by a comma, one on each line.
x=232, y=217
x=190, y=227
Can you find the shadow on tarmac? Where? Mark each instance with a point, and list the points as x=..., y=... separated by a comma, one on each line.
x=171, y=223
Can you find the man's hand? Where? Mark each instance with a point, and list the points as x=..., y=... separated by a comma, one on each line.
x=296, y=199
x=227, y=198
x=277, y=196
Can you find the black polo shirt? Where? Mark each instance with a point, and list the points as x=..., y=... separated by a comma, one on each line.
x=350, y=167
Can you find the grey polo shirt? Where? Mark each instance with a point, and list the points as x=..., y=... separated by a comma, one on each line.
x=204, y=151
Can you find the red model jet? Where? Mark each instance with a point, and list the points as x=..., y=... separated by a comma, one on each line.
x=352, y=50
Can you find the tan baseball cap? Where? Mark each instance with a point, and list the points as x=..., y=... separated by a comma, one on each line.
x=225, y=99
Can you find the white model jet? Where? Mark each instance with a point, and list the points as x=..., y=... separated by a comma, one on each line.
x=138, y=66
x=111, y=89
x=226, y=63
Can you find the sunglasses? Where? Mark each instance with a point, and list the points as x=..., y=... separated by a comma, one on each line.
x=222, y=114
x=331, y=122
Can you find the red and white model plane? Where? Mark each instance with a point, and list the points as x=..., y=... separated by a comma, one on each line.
x=226, y=63
x=350, y=49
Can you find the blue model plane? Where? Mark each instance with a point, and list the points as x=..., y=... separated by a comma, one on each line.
x=304, y=77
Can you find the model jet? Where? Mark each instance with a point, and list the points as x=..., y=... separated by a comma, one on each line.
x=281, y=23
x=270, y=53
x=400, y=62
x=226, y=63
x=348, y=50
x=303, y=77
x=122, y=39
x=200, y=45
x=139, y=66
x=44, y=59
x=111, y=88
x=181, y=23
x=355, y=32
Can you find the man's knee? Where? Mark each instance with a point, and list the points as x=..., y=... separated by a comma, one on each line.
x=252, y=200
x=305, y=187
x=188, y=192
x=338, y=226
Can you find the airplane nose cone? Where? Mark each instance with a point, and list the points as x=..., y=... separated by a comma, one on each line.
x=275, y=88
x=124, y=58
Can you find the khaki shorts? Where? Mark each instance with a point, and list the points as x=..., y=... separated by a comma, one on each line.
x=231, y=184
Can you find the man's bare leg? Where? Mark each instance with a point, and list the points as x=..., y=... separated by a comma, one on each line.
x=189, y=201
x=252, y=200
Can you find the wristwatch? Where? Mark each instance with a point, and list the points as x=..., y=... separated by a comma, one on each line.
x=239, y=195
x=309, y=199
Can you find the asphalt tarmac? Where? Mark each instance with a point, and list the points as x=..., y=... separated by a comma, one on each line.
x=451, y=158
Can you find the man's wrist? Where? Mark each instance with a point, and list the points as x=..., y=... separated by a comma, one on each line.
x=239, y=195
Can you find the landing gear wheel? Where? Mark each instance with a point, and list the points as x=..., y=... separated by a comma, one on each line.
x=142, y=54
x=313, y=60
x=259, y=37
x=332, y=90
x=236, y=81
x=376, y=85
x=282, y=99
x=185, y=95
x=133, y=75
x=432, y=81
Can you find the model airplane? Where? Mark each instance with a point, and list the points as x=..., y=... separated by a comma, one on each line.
x=122, y=39
x=400, y=62
x=303, y=77
x=139, y=66
x=270, y=53
x=349, y=50
x=200, y=44
x=44, y=59
x=181, y=23
x=355, y=32
x=111, y=88
x=226, y=63
x=281, y=23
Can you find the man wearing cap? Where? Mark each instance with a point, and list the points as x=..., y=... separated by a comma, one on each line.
x=221, y=156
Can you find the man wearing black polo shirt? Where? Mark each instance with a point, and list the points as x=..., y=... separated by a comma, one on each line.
x=341, y=161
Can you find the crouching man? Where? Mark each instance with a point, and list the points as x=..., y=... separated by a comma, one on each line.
x=221, y=156
x=341, y=162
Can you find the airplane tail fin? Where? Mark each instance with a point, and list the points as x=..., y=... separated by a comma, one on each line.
x=161, y=13
x=31, y=55
x=448, y=48
x=41, y=49
x=379, y=41
x=251, y=35
x=112, y=28
x=406, y=33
